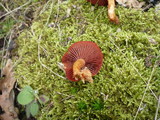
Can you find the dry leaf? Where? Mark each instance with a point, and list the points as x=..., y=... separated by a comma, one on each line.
x=122, y=2
x=131, y=3
x=7, y=96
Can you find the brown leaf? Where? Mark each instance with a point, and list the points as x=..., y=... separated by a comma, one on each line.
x=7, y=96
x=131, y=3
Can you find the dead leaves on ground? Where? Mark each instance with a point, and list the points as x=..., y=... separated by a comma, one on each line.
x=131, y=3
x=7, y=94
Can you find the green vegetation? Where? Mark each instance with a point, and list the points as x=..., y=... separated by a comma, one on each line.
x=30, y=98
x=6, y=26
x=126, y=81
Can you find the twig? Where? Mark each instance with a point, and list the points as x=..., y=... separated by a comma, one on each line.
x=136, y=71
x=147, y=7
x=67, y=98
x=5, y=51
x=44, y=8
x=147, y=83
x=42, y=47
x=63, y=94
x=57, y=12
x=50, y=13
x=145, y=92
x=41, y=61
x=7, y=10
x=158, y=105
x=14, y=9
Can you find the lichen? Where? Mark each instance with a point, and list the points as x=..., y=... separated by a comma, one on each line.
x=118, y=88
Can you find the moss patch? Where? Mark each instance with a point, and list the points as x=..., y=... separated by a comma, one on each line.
x=119, y=87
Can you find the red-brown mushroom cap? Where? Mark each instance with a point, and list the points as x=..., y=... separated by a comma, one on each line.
x=99, y=2
x=86, y=50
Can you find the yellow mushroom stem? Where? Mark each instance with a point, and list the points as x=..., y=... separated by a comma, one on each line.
x=111, y=11
x=79, y=73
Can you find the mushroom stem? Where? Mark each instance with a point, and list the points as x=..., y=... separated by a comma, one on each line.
x=79, y=73
x=86, y=75
x=111, y=11
x=77, y=66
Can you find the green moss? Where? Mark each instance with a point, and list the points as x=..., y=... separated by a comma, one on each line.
x=119, y=86
x=6, y=26
x=97, y=104
x=81, y=105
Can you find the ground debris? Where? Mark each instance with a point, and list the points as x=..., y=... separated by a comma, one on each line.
x=7, y=94
x=131, y=3
x=151, y=60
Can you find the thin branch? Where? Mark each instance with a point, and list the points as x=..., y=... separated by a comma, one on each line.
x=50, y=13
x=41, y=61
x=5, y=52
x=14, y=9
x=44, y=7
x=158, y=105
x=136, y=71
x=145, y=92
x=8, y=10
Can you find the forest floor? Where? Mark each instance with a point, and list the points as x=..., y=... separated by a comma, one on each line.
x=36, y=34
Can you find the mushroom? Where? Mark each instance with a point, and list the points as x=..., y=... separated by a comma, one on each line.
x=82, y=61
x=111, y=6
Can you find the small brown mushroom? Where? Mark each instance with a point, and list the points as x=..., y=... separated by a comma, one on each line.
x=82, y=61
x=111, y=8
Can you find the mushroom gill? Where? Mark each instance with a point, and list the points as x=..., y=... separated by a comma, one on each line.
x=82, y=61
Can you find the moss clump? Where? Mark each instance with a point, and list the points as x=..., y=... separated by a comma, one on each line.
x=119, y=87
